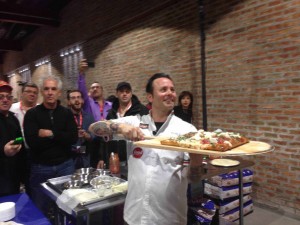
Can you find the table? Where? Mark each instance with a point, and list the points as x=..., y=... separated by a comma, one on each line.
x=82, y=212
x=26, y=212
x=211, y=171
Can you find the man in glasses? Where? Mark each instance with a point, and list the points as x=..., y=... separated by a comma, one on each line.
x=81, y=150
x=12, y=155
x=29, y=96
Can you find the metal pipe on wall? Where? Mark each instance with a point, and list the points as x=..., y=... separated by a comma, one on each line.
x=203, y=61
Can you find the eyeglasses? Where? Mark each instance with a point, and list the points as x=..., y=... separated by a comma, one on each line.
x=8, y=97
x=75, y=97
x=31, y=92
x=95, y=87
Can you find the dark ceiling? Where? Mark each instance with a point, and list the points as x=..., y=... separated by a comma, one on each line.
x=20, y=18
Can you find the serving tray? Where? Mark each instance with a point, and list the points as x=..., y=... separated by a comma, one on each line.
x=251, y=148
x=57, y=185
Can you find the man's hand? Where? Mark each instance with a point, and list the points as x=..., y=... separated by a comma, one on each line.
x=10, y=149
x=83, y=66
x=130, y=132
x=83, y=134
x=45, y=133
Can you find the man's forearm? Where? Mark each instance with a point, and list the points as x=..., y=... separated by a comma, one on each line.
x=107, y=129
x=104, y=128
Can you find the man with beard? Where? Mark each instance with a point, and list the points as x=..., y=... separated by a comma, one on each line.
x=96, y=105
x=81, y=150
x=94, y=102
x=12, y=155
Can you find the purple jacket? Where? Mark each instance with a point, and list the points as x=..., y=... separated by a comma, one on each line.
x=90, y=105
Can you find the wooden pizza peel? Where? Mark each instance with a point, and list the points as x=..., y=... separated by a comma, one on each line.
x=251, y=148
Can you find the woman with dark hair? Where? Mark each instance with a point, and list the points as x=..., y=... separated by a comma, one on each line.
x=184, y=109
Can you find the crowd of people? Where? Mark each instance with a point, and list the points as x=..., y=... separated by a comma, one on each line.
x=60, y=139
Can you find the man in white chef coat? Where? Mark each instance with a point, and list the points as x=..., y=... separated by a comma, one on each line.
x=157, y=179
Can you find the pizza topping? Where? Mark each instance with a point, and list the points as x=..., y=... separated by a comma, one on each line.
x=217, y=140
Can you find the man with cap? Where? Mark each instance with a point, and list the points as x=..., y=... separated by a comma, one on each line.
x=12, y=156
x=126, y=103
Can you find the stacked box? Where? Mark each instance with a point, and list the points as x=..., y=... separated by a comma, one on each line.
x=224, y=191
x=201, y=211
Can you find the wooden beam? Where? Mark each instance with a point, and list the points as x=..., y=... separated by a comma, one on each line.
x=10, y=12
x=10, y=45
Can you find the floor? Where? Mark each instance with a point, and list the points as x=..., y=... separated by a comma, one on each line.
x=264, y=216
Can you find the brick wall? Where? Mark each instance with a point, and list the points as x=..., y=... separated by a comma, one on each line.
x=252, y=73
x=253, y=87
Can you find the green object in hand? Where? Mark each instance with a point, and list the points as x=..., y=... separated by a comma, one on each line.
x=18, y=141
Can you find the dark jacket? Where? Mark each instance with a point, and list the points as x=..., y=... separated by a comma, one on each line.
x=120, y=146
x=185, y=115
x=50, y=150
x=136, y=108
x=11, y=167
x=87, y=120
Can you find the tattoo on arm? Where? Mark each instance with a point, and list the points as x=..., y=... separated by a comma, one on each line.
x=101, y=129
x=114, y=127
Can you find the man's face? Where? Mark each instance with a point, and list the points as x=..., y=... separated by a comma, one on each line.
x=5, y=100
x=50, y=92
x=96, y=90
x=75, y=102
x=163, y=96
x=124, y=95
x=30, y=95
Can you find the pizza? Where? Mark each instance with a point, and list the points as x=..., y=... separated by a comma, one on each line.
x=205, y=140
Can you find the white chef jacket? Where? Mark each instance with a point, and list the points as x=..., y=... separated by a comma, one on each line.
x=157, y=181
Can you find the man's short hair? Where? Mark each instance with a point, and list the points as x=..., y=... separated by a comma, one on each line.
x=96, y=82
x=33, y=85
x=50, y=77
x=72, y=91
x=149, y=86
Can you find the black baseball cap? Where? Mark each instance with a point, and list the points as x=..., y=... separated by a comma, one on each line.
x=122, y=85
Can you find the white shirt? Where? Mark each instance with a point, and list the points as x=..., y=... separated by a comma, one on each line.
x=157, y=181
x=19, y=113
